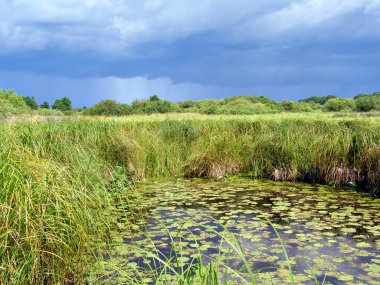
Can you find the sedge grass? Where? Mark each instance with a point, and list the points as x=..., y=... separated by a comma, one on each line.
x=55, y=176
x=54, y=202
x=318, y=150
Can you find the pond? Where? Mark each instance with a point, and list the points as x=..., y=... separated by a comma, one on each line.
x=330, y=235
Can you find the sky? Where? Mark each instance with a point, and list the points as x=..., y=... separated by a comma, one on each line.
x=90, y=50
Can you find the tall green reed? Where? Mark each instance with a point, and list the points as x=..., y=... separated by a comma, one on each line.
x=324, y=150
x=55, y=176
x=54, y=201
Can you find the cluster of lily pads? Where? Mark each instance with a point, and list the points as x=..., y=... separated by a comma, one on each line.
x=244, y=231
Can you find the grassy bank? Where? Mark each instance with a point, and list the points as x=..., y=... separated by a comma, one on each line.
x=311, y=148
x=57, y=176
x=54, y=200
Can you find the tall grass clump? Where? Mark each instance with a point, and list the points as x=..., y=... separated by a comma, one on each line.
x=57, y=177
x=54, y=199
x=311, y=149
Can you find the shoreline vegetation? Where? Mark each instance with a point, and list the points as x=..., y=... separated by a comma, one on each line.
x=13, y=104
x=59, y=175
x=313, y=148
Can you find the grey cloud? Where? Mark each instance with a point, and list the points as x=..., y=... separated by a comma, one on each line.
x=313, y=20
x=132, y=49
x=118, y=27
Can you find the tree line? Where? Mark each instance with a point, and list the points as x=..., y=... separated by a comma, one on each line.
x=15, y=104
x=238, y=105
x=12, y=103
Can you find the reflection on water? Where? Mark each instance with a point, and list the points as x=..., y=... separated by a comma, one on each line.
x=334, y=232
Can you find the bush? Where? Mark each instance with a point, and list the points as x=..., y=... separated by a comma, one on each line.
x=206, y=106
x=186, y=104
x=244, y=106
x=31, y=102
x=109, y=108
x=318, y=99
x=367, y=103
x=290, y=106
x=45, y=105
x=63, y=104
x=154, y=105
x=339, y=104
x=48, y=112
x=12, y=103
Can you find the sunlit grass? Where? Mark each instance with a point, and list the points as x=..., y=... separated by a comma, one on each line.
x=55, y=176
x=53, y=202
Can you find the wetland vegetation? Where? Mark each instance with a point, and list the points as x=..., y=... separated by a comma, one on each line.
x=329, y=236
x=67, y=199
x=12, y=104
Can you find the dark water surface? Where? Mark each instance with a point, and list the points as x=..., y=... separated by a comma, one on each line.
x=334, y=234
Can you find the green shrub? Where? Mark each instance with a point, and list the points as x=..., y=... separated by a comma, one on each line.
x=367, y=103
x=291, y=106
x=31, y=102
x=12, y=103
x=339, y=104
x=109, y=108
x=318, y=99
x=63, y=104
x=45, y=105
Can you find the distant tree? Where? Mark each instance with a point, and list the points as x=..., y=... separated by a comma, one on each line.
x=186, y=104
x=18, y=102
x=318, y=99
x=250, y=98
x=154, y=98
x=138, y=106
x=12, y=103
x=63, y=104
x=45, y=105
x=105, y=107
x=207, y=106
x=154, y=105
x=244, y=106
x=313, y=105
x=31, y=102
x=109, y=108
x=291, y=106
x=157, y=107
x=303, y=107
x=125, y=109
x=288, y=105
x=339, y=104
x=365, y=102
x=360, y=96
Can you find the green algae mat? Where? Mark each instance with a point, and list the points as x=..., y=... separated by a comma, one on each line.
x=331, y=236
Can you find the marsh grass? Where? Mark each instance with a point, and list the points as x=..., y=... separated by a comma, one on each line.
x=54, y=201
x=328, y=150
x=57, y=176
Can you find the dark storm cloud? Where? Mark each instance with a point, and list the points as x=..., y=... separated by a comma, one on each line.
x=97, y=49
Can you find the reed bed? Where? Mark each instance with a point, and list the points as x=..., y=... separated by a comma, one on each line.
x=316, y=149
x=57, y=177
x=54, y=200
